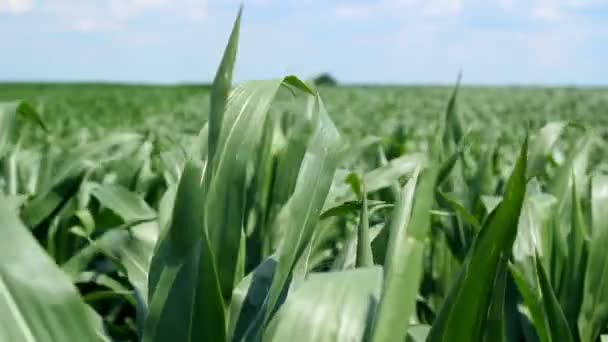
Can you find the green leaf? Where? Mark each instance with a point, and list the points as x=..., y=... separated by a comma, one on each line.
x=221, y=87
x=351, y=207
x=494, y=329
x=45, y=204
x=27, y=111
x=299, y=84
x=404, y=260
x=185, y=301
x=379, y=178
x=334, y=306
x=353, y=153
x=36, y=297
x=541, y=145
x=225, y=204
x=452, y=133
x=126, y=204
x=9, y=112
x=558, y=325
x=8, y=126
x=594, y=308
x=185, y=292
x=364, y=248
x=461, y=211
x=248, y=299
x=574, y=170
x=302, y=211
x=534, y=237
x=462, y=315
x=532, y=297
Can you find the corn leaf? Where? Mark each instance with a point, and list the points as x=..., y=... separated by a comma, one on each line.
x=334, y=306
x=37, y=300
x=404, y=260
x=462, y=315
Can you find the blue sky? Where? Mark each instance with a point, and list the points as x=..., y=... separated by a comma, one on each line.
x=363, y=41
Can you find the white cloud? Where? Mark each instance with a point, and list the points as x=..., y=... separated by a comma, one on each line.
x=444, y=7
x=355, y=10
x=413, y=8
x=16, y=6
x=547, y=10
x=112, y=15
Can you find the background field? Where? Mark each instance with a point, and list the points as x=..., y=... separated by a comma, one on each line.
x=356, y=110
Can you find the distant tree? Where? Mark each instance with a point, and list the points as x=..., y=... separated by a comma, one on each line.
x=325, y=79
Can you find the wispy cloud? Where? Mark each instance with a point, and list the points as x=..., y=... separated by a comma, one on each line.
x=114, y=15
x=16, y=6
x=411, y=8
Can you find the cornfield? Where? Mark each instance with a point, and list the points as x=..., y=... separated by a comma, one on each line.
x=269, y=225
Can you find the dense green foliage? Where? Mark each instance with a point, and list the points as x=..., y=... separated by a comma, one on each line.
x=464, y=214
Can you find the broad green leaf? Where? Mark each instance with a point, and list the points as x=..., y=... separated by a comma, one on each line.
x=334, y=306
x=130, y=245
x=594, y=309
x=494, y=322
x=248, y=298
x=404, y=260
x=541, y=145
x=37, y=300
x=534, y=237
x=126, y=204
x=45, y=204
x=462, y=315
x=112, y=147
x=302, y=211
x=574, y=169
x=379, y=178
x=571, y=286
x=225, y=206
x=185, y=302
